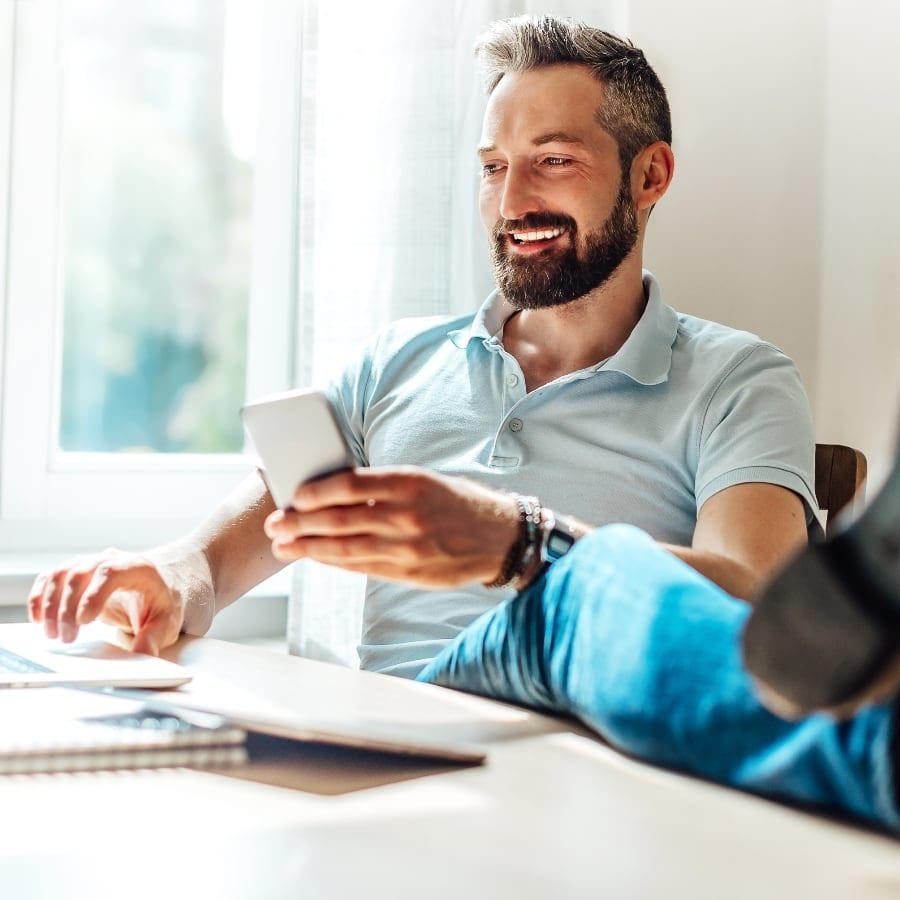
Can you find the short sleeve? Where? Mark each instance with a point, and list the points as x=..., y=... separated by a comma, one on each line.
x=758, y=428
x=348, y=393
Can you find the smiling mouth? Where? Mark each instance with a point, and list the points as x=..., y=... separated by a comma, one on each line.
x=534, y=239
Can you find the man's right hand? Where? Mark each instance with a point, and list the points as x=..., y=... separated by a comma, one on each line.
x=121, y=589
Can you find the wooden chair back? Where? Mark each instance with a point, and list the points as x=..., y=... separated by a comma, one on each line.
x=840, y=477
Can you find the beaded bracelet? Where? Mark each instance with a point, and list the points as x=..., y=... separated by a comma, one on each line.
x=525, y=546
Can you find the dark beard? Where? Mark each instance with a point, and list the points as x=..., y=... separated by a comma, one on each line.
x=554, y=278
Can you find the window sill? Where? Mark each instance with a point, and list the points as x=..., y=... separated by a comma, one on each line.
x=263, y=618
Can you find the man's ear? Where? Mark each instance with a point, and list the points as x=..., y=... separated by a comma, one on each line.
x=651, y=174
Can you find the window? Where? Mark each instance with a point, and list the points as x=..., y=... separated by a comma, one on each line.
x=154, y=248
x=131, y=147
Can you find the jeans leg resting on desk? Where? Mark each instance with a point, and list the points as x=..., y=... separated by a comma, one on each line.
x=644, y=650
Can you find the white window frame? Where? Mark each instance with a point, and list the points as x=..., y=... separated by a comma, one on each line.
x=83, y=501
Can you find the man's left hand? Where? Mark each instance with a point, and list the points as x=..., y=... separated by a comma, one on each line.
x=398, y=523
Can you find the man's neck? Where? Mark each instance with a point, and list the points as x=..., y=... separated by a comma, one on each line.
x=550, y=343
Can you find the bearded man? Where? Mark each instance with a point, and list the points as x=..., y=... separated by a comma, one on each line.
x=573, y=388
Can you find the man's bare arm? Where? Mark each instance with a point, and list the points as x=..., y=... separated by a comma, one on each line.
x=234, y=544
x=744, y=534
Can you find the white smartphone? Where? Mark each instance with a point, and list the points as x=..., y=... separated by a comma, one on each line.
x=297, y=438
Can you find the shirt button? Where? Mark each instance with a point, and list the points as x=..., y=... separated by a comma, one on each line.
x=516, y=425
x=512, y=380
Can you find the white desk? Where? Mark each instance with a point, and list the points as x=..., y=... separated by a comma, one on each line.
x=554, y=813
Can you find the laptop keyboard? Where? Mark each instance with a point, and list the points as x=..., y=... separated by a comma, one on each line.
x=13, y=664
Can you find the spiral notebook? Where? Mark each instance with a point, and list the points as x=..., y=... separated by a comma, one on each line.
x=75, y=729
x=64, y=730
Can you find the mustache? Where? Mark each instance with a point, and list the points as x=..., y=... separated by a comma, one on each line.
x=534, y=222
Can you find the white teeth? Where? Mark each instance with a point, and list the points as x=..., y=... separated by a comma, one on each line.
x=524, y=236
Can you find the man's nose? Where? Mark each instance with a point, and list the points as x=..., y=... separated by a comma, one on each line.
x=519, y=196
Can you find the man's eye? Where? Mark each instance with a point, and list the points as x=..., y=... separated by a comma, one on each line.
x=490, y=169
x=556, y=160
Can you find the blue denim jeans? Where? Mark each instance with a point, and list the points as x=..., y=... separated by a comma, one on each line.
x=641, y=648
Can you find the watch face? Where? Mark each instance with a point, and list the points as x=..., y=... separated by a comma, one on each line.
x=558, y=544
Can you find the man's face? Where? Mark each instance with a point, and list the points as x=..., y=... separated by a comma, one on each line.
x=553, y=198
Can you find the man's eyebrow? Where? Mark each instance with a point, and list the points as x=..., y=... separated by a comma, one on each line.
x=557, y=137
x=551, y=137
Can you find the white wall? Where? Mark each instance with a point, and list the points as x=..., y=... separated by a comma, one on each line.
x=783, y=215
x=859, y=326
x=738, y=238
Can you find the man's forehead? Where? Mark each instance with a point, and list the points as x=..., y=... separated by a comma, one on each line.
x=555, y=103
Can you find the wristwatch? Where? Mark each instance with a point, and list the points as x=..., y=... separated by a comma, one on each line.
x=556, y=538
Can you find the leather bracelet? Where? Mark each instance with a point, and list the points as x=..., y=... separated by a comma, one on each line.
x=526, y=544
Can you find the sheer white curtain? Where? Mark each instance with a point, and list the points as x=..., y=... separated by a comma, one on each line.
x=390, y=115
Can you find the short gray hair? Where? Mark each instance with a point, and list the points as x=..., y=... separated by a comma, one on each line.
x=635, y=110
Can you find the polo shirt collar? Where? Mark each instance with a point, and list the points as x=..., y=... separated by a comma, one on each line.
x=645, y=357
x=487, y=323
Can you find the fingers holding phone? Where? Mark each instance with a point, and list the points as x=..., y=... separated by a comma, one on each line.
x=400, y=523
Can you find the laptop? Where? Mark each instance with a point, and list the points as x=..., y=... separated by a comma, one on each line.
x=29, y=659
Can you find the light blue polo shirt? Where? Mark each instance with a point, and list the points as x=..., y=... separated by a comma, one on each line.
x=684, y=409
